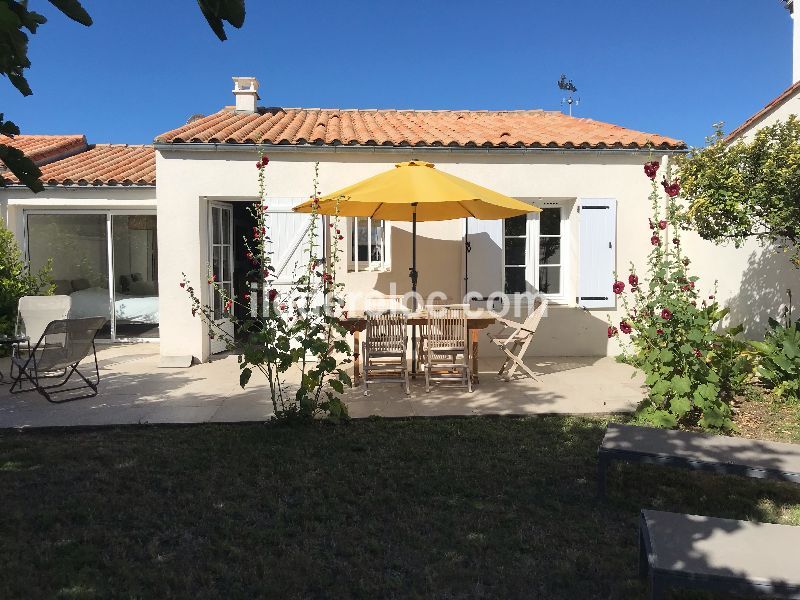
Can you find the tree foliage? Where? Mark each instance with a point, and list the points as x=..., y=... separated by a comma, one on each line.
x=17, y=22
x=747, y=189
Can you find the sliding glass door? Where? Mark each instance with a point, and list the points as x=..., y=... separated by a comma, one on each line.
x=76, y=247
x=135, y=268
x=106, y=262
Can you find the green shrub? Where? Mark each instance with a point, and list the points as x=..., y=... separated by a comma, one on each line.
x=16, y=280
x=779, y=359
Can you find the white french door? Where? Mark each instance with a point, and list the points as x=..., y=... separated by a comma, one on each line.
x=220, y=253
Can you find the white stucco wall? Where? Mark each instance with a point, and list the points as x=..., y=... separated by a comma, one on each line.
x=187, y=180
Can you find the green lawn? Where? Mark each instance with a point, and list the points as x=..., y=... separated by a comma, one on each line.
x=446, y=508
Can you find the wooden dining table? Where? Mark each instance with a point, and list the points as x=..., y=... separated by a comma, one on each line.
x=356, y=321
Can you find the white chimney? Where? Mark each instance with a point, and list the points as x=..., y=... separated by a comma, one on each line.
x=245, y=90
x=795, y=42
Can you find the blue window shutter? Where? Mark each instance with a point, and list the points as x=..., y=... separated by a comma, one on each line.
x=486, y=257
x=598, y=252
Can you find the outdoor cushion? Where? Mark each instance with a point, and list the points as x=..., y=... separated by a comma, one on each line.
x=744, y=557
x=721, y=454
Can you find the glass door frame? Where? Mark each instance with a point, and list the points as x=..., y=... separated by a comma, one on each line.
x=109, y=213
x=226, y=261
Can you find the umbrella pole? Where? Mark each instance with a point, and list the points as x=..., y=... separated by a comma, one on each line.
x=467, y=249
x=413, y=274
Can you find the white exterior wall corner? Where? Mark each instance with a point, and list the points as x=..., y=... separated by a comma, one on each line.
x=187, y=179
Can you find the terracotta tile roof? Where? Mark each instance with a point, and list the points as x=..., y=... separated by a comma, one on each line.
x=43, y=149
x=103, y=164
x=775, y=103
x=492, y=129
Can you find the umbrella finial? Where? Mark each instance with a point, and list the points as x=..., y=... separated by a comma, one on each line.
x=415, y=163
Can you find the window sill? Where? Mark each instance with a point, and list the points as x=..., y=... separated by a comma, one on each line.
x=351, y=269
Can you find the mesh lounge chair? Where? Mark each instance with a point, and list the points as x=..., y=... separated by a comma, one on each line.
x=61, y=347
x=446, y=354
x=513, y=339
x=34, y=313
x=384, y=350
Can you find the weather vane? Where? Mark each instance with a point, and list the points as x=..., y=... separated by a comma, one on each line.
x=566, y=85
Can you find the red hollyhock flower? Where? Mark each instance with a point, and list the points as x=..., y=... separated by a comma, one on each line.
x=697, y=353
x=182, y=284
x=272, y=294
x=660, y=331
x=258, y=165
x=625, y=327
x=618, y=287
x=633, y=280
x=651, y=168
x=246, y=296
x=666, y=314
x=662, y=224
x=655, y=240
x=672, y=189
x=612, y=331
x=676, y=241
x=265, y=160
x=711, y=297
x=229, y=305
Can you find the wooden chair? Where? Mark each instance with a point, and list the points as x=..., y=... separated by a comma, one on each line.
x=513, y=339
x=446, y=354
x=384, y=349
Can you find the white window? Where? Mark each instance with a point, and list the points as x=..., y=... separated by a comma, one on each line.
x=368, y=244
x=533, y=247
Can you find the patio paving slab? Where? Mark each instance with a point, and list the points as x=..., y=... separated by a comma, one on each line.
x=134, y=389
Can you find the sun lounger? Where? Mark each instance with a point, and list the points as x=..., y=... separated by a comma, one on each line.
x=704, y=553
x=716, y=453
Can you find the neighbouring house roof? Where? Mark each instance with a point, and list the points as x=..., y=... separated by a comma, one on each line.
x=43, y=149
x=449, y=128
x=102, y=164
x=774, y=104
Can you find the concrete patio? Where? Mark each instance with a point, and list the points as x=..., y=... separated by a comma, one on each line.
x=134, y=390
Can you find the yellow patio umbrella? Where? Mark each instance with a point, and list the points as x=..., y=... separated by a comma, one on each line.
x=416, y=191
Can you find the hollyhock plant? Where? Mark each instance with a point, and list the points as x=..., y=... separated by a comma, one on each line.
x=664, y=333
x=282, y=330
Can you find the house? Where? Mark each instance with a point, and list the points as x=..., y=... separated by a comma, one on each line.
x=96, y=217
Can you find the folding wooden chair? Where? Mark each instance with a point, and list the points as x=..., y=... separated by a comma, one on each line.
x=384, y=349
x=62, y=346
x=514, y=338
x=446, y=346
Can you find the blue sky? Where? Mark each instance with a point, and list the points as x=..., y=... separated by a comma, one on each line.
x=671, y=67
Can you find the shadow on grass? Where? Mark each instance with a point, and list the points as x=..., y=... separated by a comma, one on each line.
x=446, y=508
